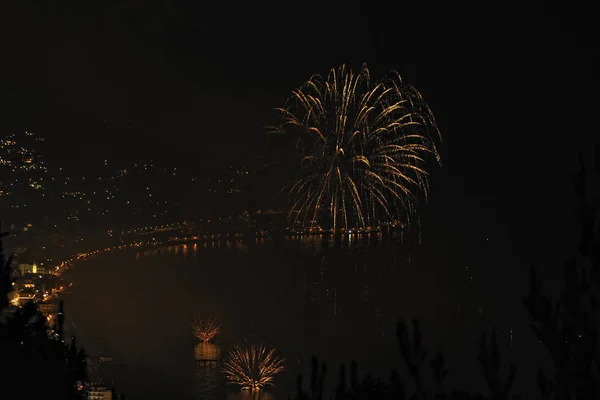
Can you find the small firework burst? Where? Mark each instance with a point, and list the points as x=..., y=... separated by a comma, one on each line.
x=205, y=329
x=252, y=367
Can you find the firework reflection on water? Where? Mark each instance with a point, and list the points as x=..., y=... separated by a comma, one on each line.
x=250, y=395
x=208, y=377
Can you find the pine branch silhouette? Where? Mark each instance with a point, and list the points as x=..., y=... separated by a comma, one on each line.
x=340, y=391
x=490, y=362
x=439, y=372
x=413, y=352
x=395, y=389
x=569, y=328
x=316, y=382
x=370, y=387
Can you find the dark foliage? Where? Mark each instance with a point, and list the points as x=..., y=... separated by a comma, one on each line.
x=569, y=327
x=36, y=361
x=415, y=358
x=5, y=279
x=490, y=363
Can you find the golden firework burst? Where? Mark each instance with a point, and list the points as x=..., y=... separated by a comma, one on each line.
x=362, y=146
x=252, y=367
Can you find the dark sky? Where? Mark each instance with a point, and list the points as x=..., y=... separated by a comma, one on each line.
x=512, y=85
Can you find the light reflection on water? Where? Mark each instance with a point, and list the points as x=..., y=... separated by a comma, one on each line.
x=208, y=378
x=249, y=395
x=207, y=351
x=301, y=295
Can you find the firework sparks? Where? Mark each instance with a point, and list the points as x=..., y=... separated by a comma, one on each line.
x=205, y=330
x=363, y=149
x=252, y=367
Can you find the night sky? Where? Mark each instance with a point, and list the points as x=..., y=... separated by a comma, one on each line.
x=512, y=86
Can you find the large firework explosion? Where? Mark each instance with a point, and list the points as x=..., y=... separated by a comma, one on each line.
x=252, y=367
x=363, y=149
x=204, y=329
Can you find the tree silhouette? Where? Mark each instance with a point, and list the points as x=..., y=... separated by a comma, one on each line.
x=367, y=388
x=569, y=327
x=5, y=278
x=490, y=363
x=31, y=351
x=413, y=352
x=370, y=387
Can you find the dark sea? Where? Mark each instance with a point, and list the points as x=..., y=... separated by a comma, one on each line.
x=338, y=301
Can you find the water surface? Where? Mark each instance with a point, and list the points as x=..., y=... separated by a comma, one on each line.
x=338, y=302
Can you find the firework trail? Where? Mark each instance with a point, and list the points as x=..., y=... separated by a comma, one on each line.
x=363, y=149
x=252, y=367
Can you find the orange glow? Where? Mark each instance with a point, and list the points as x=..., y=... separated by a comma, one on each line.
x=366, y=147
x=205, y=330
x=252, y=367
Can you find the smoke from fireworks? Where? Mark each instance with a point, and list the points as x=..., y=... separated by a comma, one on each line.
x=204, y=330
x=363, y=148
x=252, y=367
